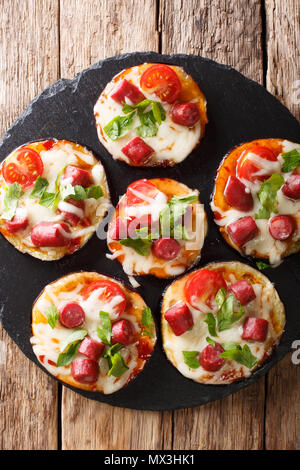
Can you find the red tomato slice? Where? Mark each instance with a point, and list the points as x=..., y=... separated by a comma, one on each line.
x=161, y=80
x=25, y=170
x=111, y=290
x=247, y=169
x=145, y=187
x=203, y=286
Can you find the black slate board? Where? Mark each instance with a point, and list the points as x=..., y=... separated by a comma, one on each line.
x=239, y=110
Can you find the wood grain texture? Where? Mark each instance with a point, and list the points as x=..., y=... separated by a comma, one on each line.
x=230, y=33
x=90, y=31
x=283, y=80
x=28, y=63
x=226, y=31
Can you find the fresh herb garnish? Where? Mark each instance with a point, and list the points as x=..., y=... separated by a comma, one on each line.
x=291, y=160
x=117, y=365
x=174, y=212
x=267, y=195
x=191, y=359
x=52, y=315
x=226, y=314
x=40, y=186
x=261, y=265
x=119, y=126
x=10, y=201
x=147, y=322
x=141, y=245
x=104, y=333
x=210, y=341
x=241, y=355
x=79, y=193
x=49, y=200
x=211, y=323
x=70, y=347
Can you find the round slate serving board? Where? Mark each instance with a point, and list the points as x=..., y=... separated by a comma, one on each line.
x=239, y=110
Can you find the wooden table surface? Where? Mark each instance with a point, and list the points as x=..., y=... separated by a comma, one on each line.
x=43, y=40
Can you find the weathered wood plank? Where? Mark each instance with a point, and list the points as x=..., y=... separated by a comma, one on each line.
x=230, y=33
x=283, y=80
x=28, y=63
x=91, y=31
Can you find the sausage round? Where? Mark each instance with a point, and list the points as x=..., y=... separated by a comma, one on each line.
x=71, y=315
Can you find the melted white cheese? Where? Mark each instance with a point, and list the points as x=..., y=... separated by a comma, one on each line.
x=172, y=142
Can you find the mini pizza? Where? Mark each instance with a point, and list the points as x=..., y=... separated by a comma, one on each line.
x=158, y=228
x=92, y=332
x=257, y=199
x=53, y=195
x=151, y=114
x=221, y=322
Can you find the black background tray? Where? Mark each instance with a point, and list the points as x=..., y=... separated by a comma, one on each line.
x=239, y=110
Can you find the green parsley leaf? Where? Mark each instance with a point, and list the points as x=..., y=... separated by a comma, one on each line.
x=70, y=347
x=211, y=322
x=111, y=351
x=52, y=315
x=158, y=112
x=118, y=366
x=104, y=333
x=191, y=359
x=10, y=202
x=119, y=126
x=226, y=315
x=221, y=296
x=94, y=192
x=49, y=200
x=231, y=345
x=148, y=322
x=241, y=355
x=40, y=186
x=77, y=335
x=291, y=160
x=79, y=193
x=267, y=194
x=261, y=265
x=148, y=127
x=210, y=341
x=140, y=245
x=172, y=214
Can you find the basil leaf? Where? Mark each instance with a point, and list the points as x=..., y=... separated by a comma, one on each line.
x=226, y=315
x=174, y=212
x=104, y=333
x=158, y=112
x=211, y=323
x=79, y=193
x=119, y=126
x=267, y=194
x=52, y=315
x=191, y=359
x=10, y=201
x=291, y=160
x=141, y=245
x=221, y=296
x=148, y=322
x=231, y=345
x=263, y=213
x=49, y=200
x=94, y=192
x=241, y=355
x=64, y=359
x=148, y=127
x=261, y=265
x=74, y=337
x=40, y=186
x=118, y=366
x=111, y=351
x=210, y=341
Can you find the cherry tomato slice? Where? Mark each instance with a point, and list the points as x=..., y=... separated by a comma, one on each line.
x=145, y=188
x=203, y=286
x=161, y=80
x=111, y=290
x=25, y=170
x=247, y=170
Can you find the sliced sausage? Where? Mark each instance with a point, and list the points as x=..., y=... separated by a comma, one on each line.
x=122, y=332
x=291, y=187
x=255, y=329
x=78, y=176
x=243, y=291
x=72, y=218
x=185, y=114
x=237, y=195
x=91, y=348
x=137, y=150
x=179, y=318
x=18, y=222
x=281, y=227
x=166, y=248
x=210, y=358
x=242, y=230
x=50, y=234
x=85, y=371
x=71, y=315
x=125, y=89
